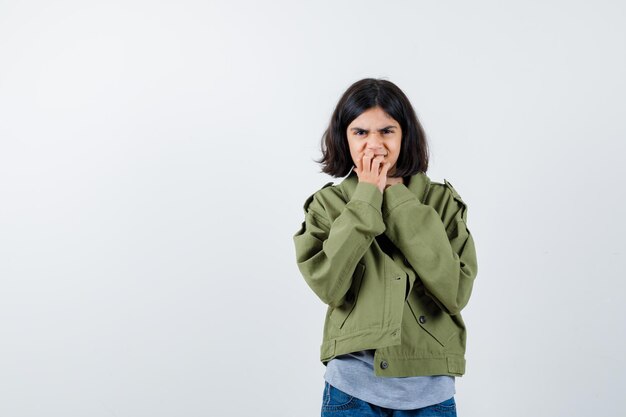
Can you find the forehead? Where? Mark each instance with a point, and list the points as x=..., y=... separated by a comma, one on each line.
x=373, y=116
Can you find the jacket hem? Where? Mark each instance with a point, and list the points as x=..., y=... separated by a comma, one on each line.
x=372, y=339
x=418, y=366
x=393, y=366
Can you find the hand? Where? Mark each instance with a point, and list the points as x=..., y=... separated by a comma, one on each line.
x=372, y=169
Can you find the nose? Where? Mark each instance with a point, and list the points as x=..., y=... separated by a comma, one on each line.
x=375, y=143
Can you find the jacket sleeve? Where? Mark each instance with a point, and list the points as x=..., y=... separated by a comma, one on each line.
x=327, y=253
x=442, y=254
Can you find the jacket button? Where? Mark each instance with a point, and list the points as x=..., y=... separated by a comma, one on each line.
x=422, y=319
x=384, y=364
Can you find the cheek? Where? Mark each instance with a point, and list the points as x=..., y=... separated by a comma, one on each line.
x=398, y=147
x=354, y=153
x=355, y=150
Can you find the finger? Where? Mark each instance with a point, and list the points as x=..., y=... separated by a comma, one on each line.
x=376, y=162
x=383, y=181
x=383, y=172
x=367, y=161
x=358, y=163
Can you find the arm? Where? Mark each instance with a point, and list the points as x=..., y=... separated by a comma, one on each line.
x=327, y=254
x=441, y=251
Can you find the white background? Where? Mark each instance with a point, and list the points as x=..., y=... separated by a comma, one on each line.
x=155, y=157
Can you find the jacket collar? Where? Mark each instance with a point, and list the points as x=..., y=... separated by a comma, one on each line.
x=418, y=184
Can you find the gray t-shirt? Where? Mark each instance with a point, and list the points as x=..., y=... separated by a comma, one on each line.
x=353, y=374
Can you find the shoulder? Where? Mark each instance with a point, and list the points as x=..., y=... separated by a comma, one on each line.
x=314, y=202
x=447, y=196
x=453, y=191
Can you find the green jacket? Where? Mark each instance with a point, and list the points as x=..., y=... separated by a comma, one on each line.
x=395, y=269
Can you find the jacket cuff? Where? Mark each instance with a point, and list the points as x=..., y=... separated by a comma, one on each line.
x=394, y=196
x=369, y=193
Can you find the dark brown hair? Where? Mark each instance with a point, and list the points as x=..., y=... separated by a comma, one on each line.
x=359, y=97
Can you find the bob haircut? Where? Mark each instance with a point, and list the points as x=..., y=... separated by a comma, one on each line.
x=359, y=97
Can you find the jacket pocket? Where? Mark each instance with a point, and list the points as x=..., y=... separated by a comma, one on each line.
x=432, y=319
x=340, y=314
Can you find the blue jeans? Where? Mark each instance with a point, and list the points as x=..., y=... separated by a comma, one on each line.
x=338, y=403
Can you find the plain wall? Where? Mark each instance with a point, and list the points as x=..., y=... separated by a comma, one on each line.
x=155, y=157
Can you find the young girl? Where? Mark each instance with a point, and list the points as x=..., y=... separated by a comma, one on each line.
x=389, y=251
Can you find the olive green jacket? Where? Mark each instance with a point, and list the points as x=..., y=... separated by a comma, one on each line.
x=395, y=269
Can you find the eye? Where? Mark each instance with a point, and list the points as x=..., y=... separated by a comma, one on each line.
x=358, y=132
x=387, y=131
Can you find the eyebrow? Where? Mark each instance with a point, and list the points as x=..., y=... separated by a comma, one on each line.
x=383, y=128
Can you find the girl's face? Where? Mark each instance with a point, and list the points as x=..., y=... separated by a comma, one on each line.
x=375, y=130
